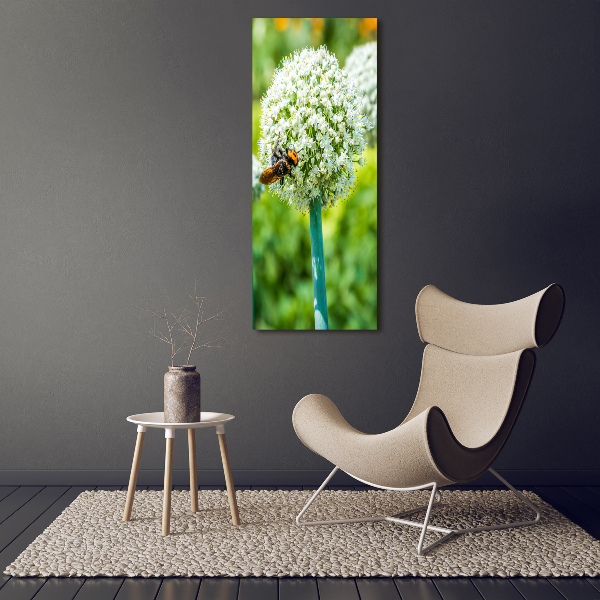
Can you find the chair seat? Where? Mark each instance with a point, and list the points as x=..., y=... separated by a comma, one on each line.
x=420, y=451
x=396, y=459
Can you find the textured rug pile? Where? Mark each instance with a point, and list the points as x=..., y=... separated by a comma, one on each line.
x=90, y=539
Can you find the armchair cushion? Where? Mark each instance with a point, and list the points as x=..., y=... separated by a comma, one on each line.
x=475, y=374
x=485, y=330
x=424, y=448
x=397, y=458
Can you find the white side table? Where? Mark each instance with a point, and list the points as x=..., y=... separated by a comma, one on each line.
x=156, y=420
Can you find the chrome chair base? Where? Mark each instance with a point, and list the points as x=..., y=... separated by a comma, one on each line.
x=434, y=500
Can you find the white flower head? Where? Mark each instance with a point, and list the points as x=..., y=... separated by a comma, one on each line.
x=362, y=65
x=315, y=108
x=257, y=187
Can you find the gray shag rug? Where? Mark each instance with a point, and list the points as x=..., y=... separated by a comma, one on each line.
x=90, y=539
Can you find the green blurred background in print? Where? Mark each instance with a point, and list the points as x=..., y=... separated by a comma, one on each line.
x=281, y=277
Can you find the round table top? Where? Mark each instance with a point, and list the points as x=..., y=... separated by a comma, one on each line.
x=157, y=419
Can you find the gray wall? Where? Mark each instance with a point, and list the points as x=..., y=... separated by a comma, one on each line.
x=118, y=125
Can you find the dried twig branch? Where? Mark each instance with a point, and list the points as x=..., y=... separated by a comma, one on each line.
x=187, y=324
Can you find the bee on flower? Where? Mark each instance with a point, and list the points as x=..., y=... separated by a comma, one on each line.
x=316, y=108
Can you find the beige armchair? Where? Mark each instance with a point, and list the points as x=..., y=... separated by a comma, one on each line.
x=475, y=374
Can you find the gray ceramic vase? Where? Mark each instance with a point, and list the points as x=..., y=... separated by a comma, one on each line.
x=182, y=395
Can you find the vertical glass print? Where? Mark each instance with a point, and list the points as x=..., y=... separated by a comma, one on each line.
x=314, y=174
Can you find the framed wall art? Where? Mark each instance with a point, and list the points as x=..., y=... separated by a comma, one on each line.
x=314, y=173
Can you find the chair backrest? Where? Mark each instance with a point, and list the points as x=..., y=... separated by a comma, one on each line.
x=489, y=330
x=478, y=364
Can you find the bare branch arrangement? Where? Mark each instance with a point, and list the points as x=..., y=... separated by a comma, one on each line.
x=182, y=330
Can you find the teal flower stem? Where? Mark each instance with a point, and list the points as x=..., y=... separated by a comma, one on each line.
x=318, y=265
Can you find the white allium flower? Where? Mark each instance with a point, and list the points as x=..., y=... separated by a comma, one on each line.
x=257, y=188
x=314, y=107
x=362, y=64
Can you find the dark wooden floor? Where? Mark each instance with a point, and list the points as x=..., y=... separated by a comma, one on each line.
x=26, y=511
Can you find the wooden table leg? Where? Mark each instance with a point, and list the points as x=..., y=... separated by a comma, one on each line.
x=235, y=516
x=166, y=518
x=193, y=472
x=137, y=455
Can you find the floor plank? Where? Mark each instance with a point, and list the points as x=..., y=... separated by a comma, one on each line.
x=594, y=581
x=17, y=499
x=496, y=588
x=60, y=588
x=575, y=588
x=258, y=588
x=219, y=588
x=5, y=490
x=298, y=588
x=585, y=495
x=416, y=588
x=100, y=588
x=139, y=588
x=179, y=589
x=534, y=588
x=30, y=511
x=332, y=588
x=377, y=589
x=574, y=508
x=19, y=588
x=456, y=588
x=32, y=527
